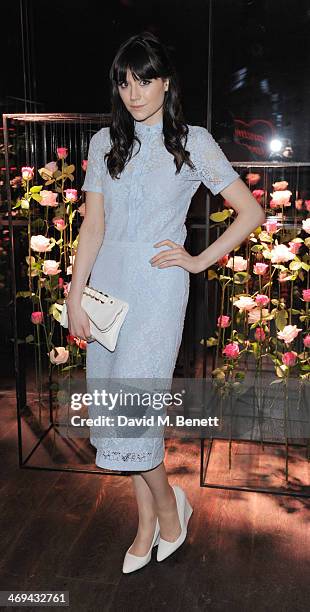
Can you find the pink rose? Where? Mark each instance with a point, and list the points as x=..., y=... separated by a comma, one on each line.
x=271, y=226
x=258, y=194
x=307, y=341
x=58, y=355
x=245, y=303
x=71, y=195
x=51, y=166
x=257, y=314
x=59, y=223
x=60, y=282
x=306, y=225
x=231, y=350
x=307, y=205
x=262, y=300
x=280, y=185
x=49, y=198
x=289, y=358
x=259, y=334
x=50, y=266
x=281, y=253
x=62, y=152
x=37, y=317
x=223, y=321
x=237, y=263
x=40, y=243
x=295, y=247
x=27, y=173
x=84, y=165
x=298, y=204
x=283, y=276
x=252, y=178
x=288, y=333
x=306, y=295
x=260, y=268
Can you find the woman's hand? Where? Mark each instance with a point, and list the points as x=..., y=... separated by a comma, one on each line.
x=176, y=256
x=79, y=325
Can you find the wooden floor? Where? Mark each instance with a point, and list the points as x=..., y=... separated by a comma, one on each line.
x=67, y=531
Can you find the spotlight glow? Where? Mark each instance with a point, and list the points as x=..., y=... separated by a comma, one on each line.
x=275, y=145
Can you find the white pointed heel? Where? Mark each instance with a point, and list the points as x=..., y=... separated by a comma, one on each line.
x=185, y=510
x=133, y=562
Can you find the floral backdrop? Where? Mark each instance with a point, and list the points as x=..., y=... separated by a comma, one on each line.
x=263, y=284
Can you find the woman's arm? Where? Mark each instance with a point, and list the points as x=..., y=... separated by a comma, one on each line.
x=249, y=216
x=90, y=239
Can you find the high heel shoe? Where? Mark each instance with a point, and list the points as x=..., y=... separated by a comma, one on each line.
x=133, y=562
x=185, y=510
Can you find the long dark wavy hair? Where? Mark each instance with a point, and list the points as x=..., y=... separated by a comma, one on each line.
x=147, y=58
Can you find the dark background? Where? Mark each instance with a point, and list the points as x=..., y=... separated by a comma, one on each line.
x=250, y=64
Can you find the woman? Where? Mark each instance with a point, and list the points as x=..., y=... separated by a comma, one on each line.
x=142, y=173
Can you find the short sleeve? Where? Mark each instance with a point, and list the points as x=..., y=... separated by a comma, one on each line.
x=212, y=167
x=95, y=171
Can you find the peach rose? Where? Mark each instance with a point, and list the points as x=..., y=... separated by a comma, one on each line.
x=306, y=225
x=280, y=185
x=298, y=204
x=49, y=198
x=40, y=243
x=289, y=358
x=289, y=333
x=281, y=253
x=280, y=198
x=58, y=355
x=237, y=263
x=50, y=266
x=260, y=268
x=257, y=314
x=245, y=303
x=295, y=247
x=252, y=178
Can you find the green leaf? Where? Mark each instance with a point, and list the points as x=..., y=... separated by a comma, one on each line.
x=24, y=294
x=36, y=189
x=305, y=266
x=220, y=216
x=36, y=197
x=295, y=265
x=212, y=274
x=29, y=339
x=280, y=319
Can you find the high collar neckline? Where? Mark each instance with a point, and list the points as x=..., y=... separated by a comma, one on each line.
x=143, y=128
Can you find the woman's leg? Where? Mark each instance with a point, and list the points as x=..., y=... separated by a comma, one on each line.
x=147, y=516
x=165, y=502
x=155, y=498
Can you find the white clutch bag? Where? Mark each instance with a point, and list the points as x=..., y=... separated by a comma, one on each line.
x=106, y=315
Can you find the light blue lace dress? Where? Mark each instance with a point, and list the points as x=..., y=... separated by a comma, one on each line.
x=149, y=203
